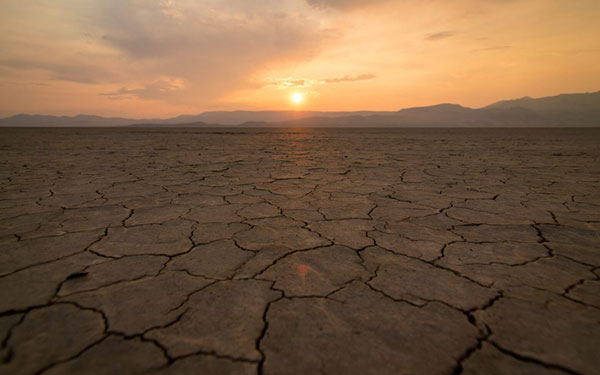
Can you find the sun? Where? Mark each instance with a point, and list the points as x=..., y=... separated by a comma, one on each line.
x=297, y=97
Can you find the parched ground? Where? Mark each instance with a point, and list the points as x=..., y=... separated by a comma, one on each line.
x=299, y=251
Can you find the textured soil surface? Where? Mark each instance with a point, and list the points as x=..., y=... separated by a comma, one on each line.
x=299, y=251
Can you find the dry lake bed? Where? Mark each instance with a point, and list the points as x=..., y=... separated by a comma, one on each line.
x=220, y=251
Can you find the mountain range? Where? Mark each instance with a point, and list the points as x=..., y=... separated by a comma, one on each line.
x=565, y=110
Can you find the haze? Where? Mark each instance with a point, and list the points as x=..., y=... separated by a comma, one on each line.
x=163, y=58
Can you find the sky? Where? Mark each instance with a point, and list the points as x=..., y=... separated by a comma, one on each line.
x=161, y=58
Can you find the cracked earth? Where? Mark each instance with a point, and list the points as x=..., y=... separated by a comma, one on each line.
x=299, y=252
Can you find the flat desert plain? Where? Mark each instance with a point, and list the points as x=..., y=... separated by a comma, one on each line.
x=291, y=251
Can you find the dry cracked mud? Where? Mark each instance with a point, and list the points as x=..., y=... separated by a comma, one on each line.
x=221, y=251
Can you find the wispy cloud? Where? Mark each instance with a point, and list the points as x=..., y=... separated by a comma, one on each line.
x=492, y=48
x=361, y=77
x=291, y=82
x=440, y=35
x=150, y=91
x=85, y=72
x=343, y=4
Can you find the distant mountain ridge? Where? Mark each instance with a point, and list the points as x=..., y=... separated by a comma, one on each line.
x=565, y=110
x=226, y=118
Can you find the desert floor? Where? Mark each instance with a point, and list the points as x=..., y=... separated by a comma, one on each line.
x=187, y=251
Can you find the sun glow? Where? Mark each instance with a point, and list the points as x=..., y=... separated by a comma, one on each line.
x=297, y=98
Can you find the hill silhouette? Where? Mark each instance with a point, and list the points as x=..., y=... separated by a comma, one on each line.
x=565, y=110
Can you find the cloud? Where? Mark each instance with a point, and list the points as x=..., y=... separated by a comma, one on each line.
x=215, y=46
x=160, y=89
x=343, y=4
x=440, y=35
x=362, y=77
x=172, y=8
x=78, y=72
x=292, y=82
x=492, y=48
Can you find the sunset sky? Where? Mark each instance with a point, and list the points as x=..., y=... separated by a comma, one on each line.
x=153, y=58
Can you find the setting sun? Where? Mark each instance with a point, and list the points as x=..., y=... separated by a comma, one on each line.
x=297, y=97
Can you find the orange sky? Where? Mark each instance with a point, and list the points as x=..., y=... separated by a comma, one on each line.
x=143, y=58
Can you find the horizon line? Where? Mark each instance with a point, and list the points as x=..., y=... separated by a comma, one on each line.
x=294, y=110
